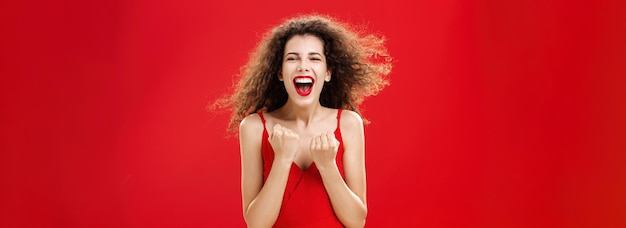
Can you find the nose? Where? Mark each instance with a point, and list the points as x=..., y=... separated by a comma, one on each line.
x=303, y=66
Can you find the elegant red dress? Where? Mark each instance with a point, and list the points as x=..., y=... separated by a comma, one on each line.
x=305, y=202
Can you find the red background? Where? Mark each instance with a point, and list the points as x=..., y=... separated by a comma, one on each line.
x=499, y=113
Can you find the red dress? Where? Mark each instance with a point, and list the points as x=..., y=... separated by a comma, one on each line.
x=305, y=202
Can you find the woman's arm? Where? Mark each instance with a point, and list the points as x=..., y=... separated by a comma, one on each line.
x=261, y=202
x=348, y=198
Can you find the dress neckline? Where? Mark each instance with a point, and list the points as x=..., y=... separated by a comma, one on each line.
x=293, y=163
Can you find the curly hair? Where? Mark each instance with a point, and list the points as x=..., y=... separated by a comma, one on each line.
x=359, y=64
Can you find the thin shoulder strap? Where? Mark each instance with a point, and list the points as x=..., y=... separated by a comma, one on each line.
x=339, y=117
x=262, y=118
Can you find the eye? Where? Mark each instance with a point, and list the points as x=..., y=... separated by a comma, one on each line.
x=290, y=58
x=316, y=58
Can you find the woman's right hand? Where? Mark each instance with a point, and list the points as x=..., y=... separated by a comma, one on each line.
x=285, y=143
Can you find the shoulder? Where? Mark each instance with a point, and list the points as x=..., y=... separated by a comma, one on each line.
x=251, y=124
x=351, y=121
x=350, y=118
x=352, y=136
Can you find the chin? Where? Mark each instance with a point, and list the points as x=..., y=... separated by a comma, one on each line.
x=303, y=101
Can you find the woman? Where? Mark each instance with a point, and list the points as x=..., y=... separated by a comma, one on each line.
x=300, y=131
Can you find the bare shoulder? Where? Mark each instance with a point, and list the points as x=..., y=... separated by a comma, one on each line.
x=251, y=122
x=351, y=121
x=251, y=128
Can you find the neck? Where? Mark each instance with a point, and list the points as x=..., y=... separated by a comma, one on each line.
x=302, y=115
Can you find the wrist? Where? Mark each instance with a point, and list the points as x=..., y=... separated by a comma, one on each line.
x=331, y=164
x=282, y=162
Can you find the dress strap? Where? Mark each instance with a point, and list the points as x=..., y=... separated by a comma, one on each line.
x=338, y=117
x=262, y=118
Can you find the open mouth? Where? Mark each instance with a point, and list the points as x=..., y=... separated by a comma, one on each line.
x=304, y=85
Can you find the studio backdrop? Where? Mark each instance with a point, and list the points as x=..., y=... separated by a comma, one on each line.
x=498, y=114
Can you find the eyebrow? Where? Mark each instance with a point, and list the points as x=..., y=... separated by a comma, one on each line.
x=310, y=53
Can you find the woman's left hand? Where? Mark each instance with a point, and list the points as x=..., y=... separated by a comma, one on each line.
x=324, y=149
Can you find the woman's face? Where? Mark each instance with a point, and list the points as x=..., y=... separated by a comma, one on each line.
x=304, y=68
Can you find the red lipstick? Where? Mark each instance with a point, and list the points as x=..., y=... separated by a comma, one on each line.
x=304, y=85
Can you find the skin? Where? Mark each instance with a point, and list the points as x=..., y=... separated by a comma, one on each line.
x=301, y=132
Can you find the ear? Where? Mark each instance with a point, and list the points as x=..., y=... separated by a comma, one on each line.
x=328, y=74
x=280, y=75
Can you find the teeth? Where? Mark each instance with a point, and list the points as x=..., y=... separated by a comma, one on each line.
x=304, y=80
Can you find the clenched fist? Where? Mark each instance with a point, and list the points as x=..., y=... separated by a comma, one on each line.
x=285, y=143
x=324, y=149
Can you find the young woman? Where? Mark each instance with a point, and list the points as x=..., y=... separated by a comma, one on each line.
x=300, y=131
